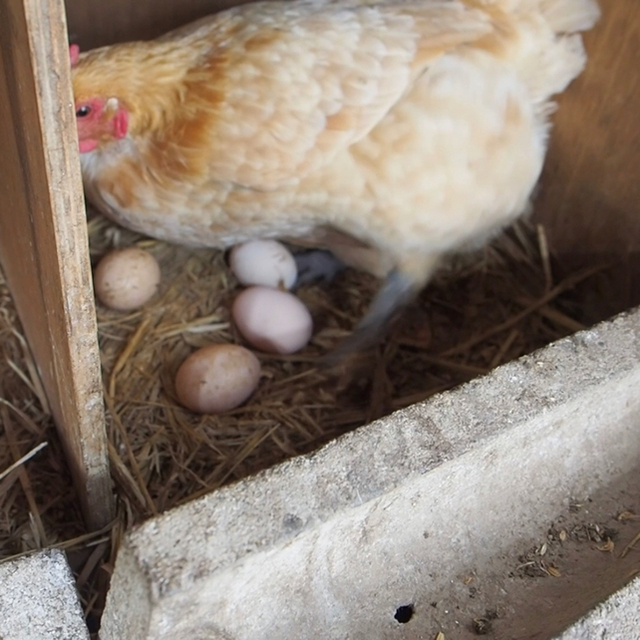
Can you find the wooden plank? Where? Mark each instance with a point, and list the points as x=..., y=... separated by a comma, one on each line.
x=43, y=236
x=95, y=23
x=590, y=189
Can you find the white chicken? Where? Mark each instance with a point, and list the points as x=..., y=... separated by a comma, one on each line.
x=392, y=133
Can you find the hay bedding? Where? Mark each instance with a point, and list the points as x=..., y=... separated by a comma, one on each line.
x=478, y=313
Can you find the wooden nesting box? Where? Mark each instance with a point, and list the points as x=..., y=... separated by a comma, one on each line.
x=588, y=199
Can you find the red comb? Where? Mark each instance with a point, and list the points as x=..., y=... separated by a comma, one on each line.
x=74, y=54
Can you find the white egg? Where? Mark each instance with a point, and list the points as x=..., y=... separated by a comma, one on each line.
x=217, y=378
x=263, y=262
x=126, y=279
x=272, y=320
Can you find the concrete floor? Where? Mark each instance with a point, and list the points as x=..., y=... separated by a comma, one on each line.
x=420, y=523
x=505, y=508
x=38, y=599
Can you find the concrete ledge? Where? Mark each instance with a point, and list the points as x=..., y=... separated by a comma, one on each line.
x=38, y=599
x=329, y=545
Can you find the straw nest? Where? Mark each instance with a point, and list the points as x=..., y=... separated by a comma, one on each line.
x=478, y=312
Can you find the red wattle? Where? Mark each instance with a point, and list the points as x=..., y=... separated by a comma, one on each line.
x=120, y=124
x=87, y=145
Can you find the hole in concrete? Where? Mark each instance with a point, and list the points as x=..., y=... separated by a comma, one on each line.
x=404, y=613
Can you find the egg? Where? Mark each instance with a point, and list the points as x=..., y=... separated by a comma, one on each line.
x=263, y=262
x=217, y=378
x=125, y=279
x=272, y=320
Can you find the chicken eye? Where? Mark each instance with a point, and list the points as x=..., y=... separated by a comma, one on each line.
x=83, y=111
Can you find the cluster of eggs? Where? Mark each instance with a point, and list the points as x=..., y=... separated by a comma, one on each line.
x=220, y=377
x=266, y=313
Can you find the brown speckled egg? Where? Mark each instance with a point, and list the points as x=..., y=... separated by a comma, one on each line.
x=125, y=279
x=217, y=378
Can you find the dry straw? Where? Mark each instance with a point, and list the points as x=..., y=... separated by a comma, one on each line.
x=478, y=313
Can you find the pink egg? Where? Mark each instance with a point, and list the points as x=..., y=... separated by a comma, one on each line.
x=272, y=320
x=217, y=378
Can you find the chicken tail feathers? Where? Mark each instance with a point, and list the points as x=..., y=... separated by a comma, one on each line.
x=552, y=54
x=565, y=58
x=570, y=16
x=562, y=16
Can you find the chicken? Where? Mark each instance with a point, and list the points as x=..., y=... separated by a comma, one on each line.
x=392, y=133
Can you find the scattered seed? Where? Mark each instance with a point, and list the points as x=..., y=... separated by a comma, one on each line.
x=625, y=516
x=607, y=546
x=481, y=626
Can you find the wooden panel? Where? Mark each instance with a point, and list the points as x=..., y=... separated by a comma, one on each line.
x=590, y=195
x=96, y=23
x=43, y=236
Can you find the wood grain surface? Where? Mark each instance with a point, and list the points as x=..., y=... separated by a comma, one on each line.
x=589, y=199
x=94, y=23
x=43, y=236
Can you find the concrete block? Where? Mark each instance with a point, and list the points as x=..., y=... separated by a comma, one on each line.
x=334, y=544
x=38, y=599
x=617, y=618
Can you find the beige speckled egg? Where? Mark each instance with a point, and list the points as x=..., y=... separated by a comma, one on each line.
x=272, y=320
x=126, y=279
x=263, y=262
x=217, y=378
